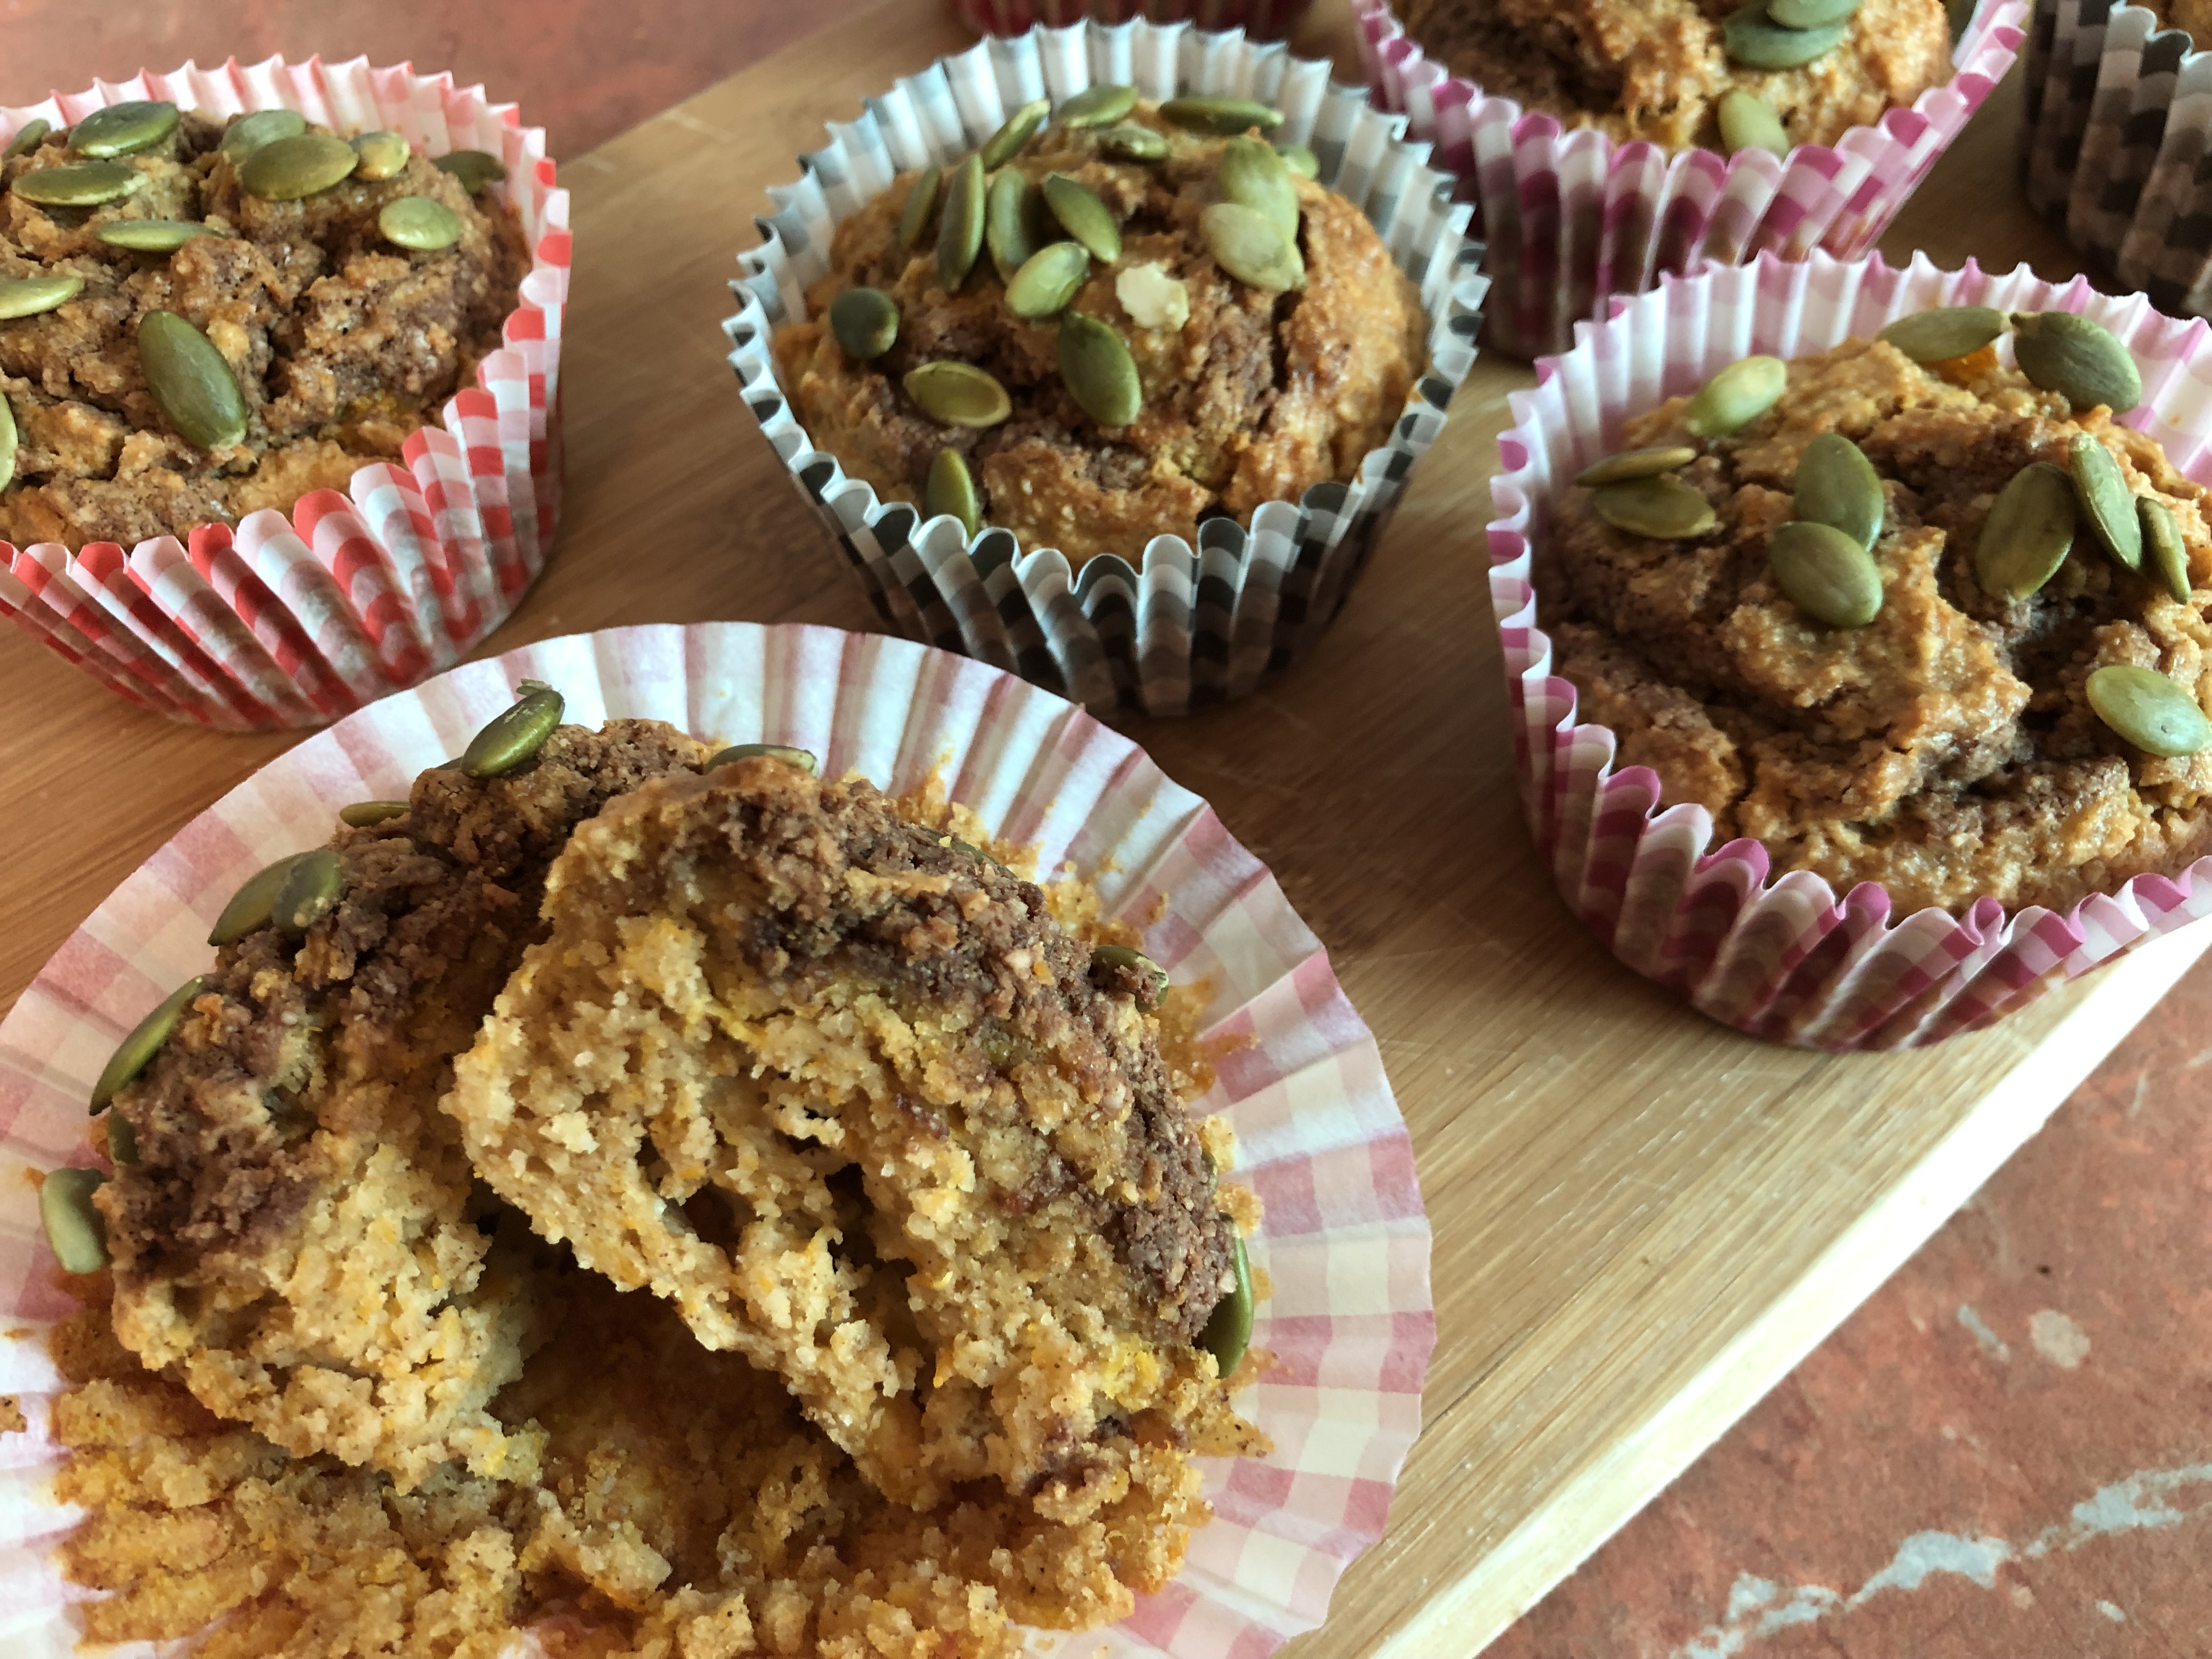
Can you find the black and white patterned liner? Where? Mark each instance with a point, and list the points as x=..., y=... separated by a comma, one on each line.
x=1190, y=628
x=2120, y=117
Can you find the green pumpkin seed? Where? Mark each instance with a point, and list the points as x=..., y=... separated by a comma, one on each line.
x=383, y=155
x=958, y=394
x=1083, y=217
x=801, y=759
x=1253, y=175
x=2169, y=557
x=310, y=890
x=865, y=321
x=1748, y=121
x=76, y=1232
x=1665, y=507
x=1048, y=281
x=7, y=443
x=152, y=235
x=1825, y=573
x=475, y=168
x=288, y=169
x=951, y=489
x=2081, y=360
x=79, y=184
x=1009, y=210
x=511, y=736
x=1222, y=116
x=191, y=381
x=2149, y=710
x=1836, y=485
x=250, y=906
x=1099, y=373
x=1299, y=159
x=123, y=129
x=1002, y=146
x=28, y=137
x=1753, y=39
x=2027, y=534
x=1811, y=14
x=1229, y=1333
x=2107, y=502
x=417, y=223
x=1632, y=463
x=921, y=197
x=27, y=296
x=136, y=1051
x=1134, y=143
x=1152, y=978
x=1736, y=396
x=364, y=814
x=1251, y=247
x=249, y=132
x=960, y=230
x=1946, y=332
x=122, y=1141
x=1097, y=107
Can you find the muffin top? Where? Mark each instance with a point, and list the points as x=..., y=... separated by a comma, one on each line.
x=1995, y=703
x=229, y=315
x=1129, y=325
x=1659, y=69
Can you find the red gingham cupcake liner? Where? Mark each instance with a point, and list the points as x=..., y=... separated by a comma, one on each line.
x=1261, y=20
x=1572, y=216
x=1344, y=1243
x=1782, y=956
x=294, y=622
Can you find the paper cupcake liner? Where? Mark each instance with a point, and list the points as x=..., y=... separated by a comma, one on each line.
x=293, y=622
x=1573, y=217
x=1188, y=627
x=1261, y=20
x=1784, y=957
x=1344, y=1241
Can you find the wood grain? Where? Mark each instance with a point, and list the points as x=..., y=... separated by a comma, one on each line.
x=1641, y=1220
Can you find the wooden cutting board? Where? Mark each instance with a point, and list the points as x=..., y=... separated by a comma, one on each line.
x=1642, y=1220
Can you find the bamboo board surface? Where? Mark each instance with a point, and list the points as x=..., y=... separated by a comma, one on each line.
x=1642, y=1220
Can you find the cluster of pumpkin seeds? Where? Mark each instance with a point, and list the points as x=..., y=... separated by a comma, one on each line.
x=2078, y=358
x=1774, y=34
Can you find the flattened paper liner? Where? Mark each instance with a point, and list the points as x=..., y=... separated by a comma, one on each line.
x=1188, y=627
x=1261, y=20
x=1344, y=1241
x=1572, y=216
x=1784, y=957
x=293, y=621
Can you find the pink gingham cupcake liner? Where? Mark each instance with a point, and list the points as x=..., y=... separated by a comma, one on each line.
x=294, y=622
x=1345, y=1243
x=1572, y=216
x=1782, y=956
x=1259, y=20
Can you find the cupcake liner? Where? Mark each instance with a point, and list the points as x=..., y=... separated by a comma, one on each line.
x=294, y=622
x=1572, y=216
x=1261, y=20
x=1344, y=1241
x=1782, y=957
x=1188, y=627
x=2119, y=114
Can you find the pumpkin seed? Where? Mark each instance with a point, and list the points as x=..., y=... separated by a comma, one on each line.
x=27, y=296
x=1299, y=159
x=801, y=759
x=511, y=736
x=1228, y=1333
x=122, y=1141
x=76, y=1232
x=1736, y=396
x=191, y=381
x=2027, y=534
x=921, y=197
x=1251, y=247
x=1836, y=485
x=250, y=906
x=1120, y=961
x=287, y=169
x=1083, y=217
x=1097, y=107
x=362, y=814
x=124, y=128
x=310, y=890
x=136, y=1052
x=417, y=223
x=1251, y=173
x=1048, y=281
x=152, y=235
x=2081, y=360
x=7, y=443
x=1825, y=573
x=2149, y=710
x=249, y=132
x=1002, y=146
x=1010, y=209
x=1753, y=39
x=2107, y=502
x=958, y=394
x=1811, y=14
x=1099, y=373
x=865, y=322
x=960, y=230
x=1631, y=463
x=2169, y=558
x=1222, y=116
x=28, y=137
x=79, y=184
x=951, y=489
x=1946, y=332
x=475, y=168
x=383, y=155
x=1748, y=121
x=1134, y=143
x=1664, y=507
